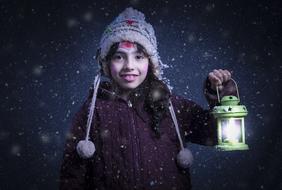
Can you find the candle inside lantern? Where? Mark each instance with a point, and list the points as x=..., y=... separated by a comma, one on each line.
x=231, y=130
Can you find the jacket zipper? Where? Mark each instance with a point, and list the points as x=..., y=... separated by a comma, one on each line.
x=136, y=147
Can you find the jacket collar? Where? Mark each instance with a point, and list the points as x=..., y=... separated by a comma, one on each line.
x=136, y=100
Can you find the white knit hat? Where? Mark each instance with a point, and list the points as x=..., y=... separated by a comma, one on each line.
x=131, y=26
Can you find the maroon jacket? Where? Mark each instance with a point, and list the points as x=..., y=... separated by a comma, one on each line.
x=128, y=155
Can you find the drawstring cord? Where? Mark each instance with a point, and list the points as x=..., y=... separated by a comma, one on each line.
x=172, y=113
x=185, y=156
x=92, y=107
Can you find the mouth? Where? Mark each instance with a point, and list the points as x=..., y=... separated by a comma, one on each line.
x=129, y=77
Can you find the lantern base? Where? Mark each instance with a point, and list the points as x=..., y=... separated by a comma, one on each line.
x=232, y=147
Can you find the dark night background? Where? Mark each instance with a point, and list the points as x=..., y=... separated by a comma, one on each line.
x=47, y=66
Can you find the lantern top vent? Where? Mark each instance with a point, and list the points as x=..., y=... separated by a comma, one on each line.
x=229, y=100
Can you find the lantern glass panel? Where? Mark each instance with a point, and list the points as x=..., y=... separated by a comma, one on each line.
x=231, y=130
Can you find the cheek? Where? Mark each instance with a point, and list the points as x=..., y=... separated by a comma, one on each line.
x=113, y=69
x=144, y=68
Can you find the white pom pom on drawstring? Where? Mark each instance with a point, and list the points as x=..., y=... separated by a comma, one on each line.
x=85, y=148
x=185, y=158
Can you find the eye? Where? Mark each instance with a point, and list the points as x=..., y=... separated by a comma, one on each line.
x=117, y=57
x=140, y=56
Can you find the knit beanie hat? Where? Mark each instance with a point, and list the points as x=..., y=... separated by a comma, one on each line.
x=131, y=26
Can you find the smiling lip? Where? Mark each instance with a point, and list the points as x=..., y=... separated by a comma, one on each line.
x=129, y=77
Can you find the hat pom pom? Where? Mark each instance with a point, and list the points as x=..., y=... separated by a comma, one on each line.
x=185, y=158
x=85, y=148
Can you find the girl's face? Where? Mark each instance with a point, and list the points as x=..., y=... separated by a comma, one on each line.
x=128, y=66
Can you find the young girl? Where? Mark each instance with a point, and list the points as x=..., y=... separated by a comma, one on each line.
x=134, y=126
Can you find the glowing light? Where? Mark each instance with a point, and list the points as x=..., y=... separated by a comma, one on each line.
x=231, y=130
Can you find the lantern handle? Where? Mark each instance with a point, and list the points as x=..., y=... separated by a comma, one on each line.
x=217, y=91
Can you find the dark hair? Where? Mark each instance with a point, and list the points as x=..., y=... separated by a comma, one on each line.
x=155, y=91
x=157, y=101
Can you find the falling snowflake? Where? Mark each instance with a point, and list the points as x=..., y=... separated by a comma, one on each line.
x=15, y=150
x=88, y=16
x=37, y=70
x=45, y=138
x=72, y=23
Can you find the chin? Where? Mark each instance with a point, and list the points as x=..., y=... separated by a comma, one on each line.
x=129, y=86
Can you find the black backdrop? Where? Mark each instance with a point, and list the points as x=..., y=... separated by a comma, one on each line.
x=47, y=65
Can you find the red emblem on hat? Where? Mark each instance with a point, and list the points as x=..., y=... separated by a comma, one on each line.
x=130, y=22
x=126, y=44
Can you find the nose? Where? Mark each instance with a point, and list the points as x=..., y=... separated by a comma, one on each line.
x=129, y=64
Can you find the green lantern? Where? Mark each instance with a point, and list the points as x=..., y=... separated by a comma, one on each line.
x=230, y=123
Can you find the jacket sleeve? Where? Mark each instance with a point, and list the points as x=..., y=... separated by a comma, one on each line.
x=200, y=127
x=76, y=172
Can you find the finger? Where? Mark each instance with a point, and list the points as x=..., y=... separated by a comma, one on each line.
x=224, y=75
x=215, y=81
x=218, y=74
x=228, y=73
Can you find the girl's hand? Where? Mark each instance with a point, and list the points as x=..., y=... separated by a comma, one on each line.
x=218, y=78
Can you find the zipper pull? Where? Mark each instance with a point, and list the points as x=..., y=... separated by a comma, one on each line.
x=129, y=103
